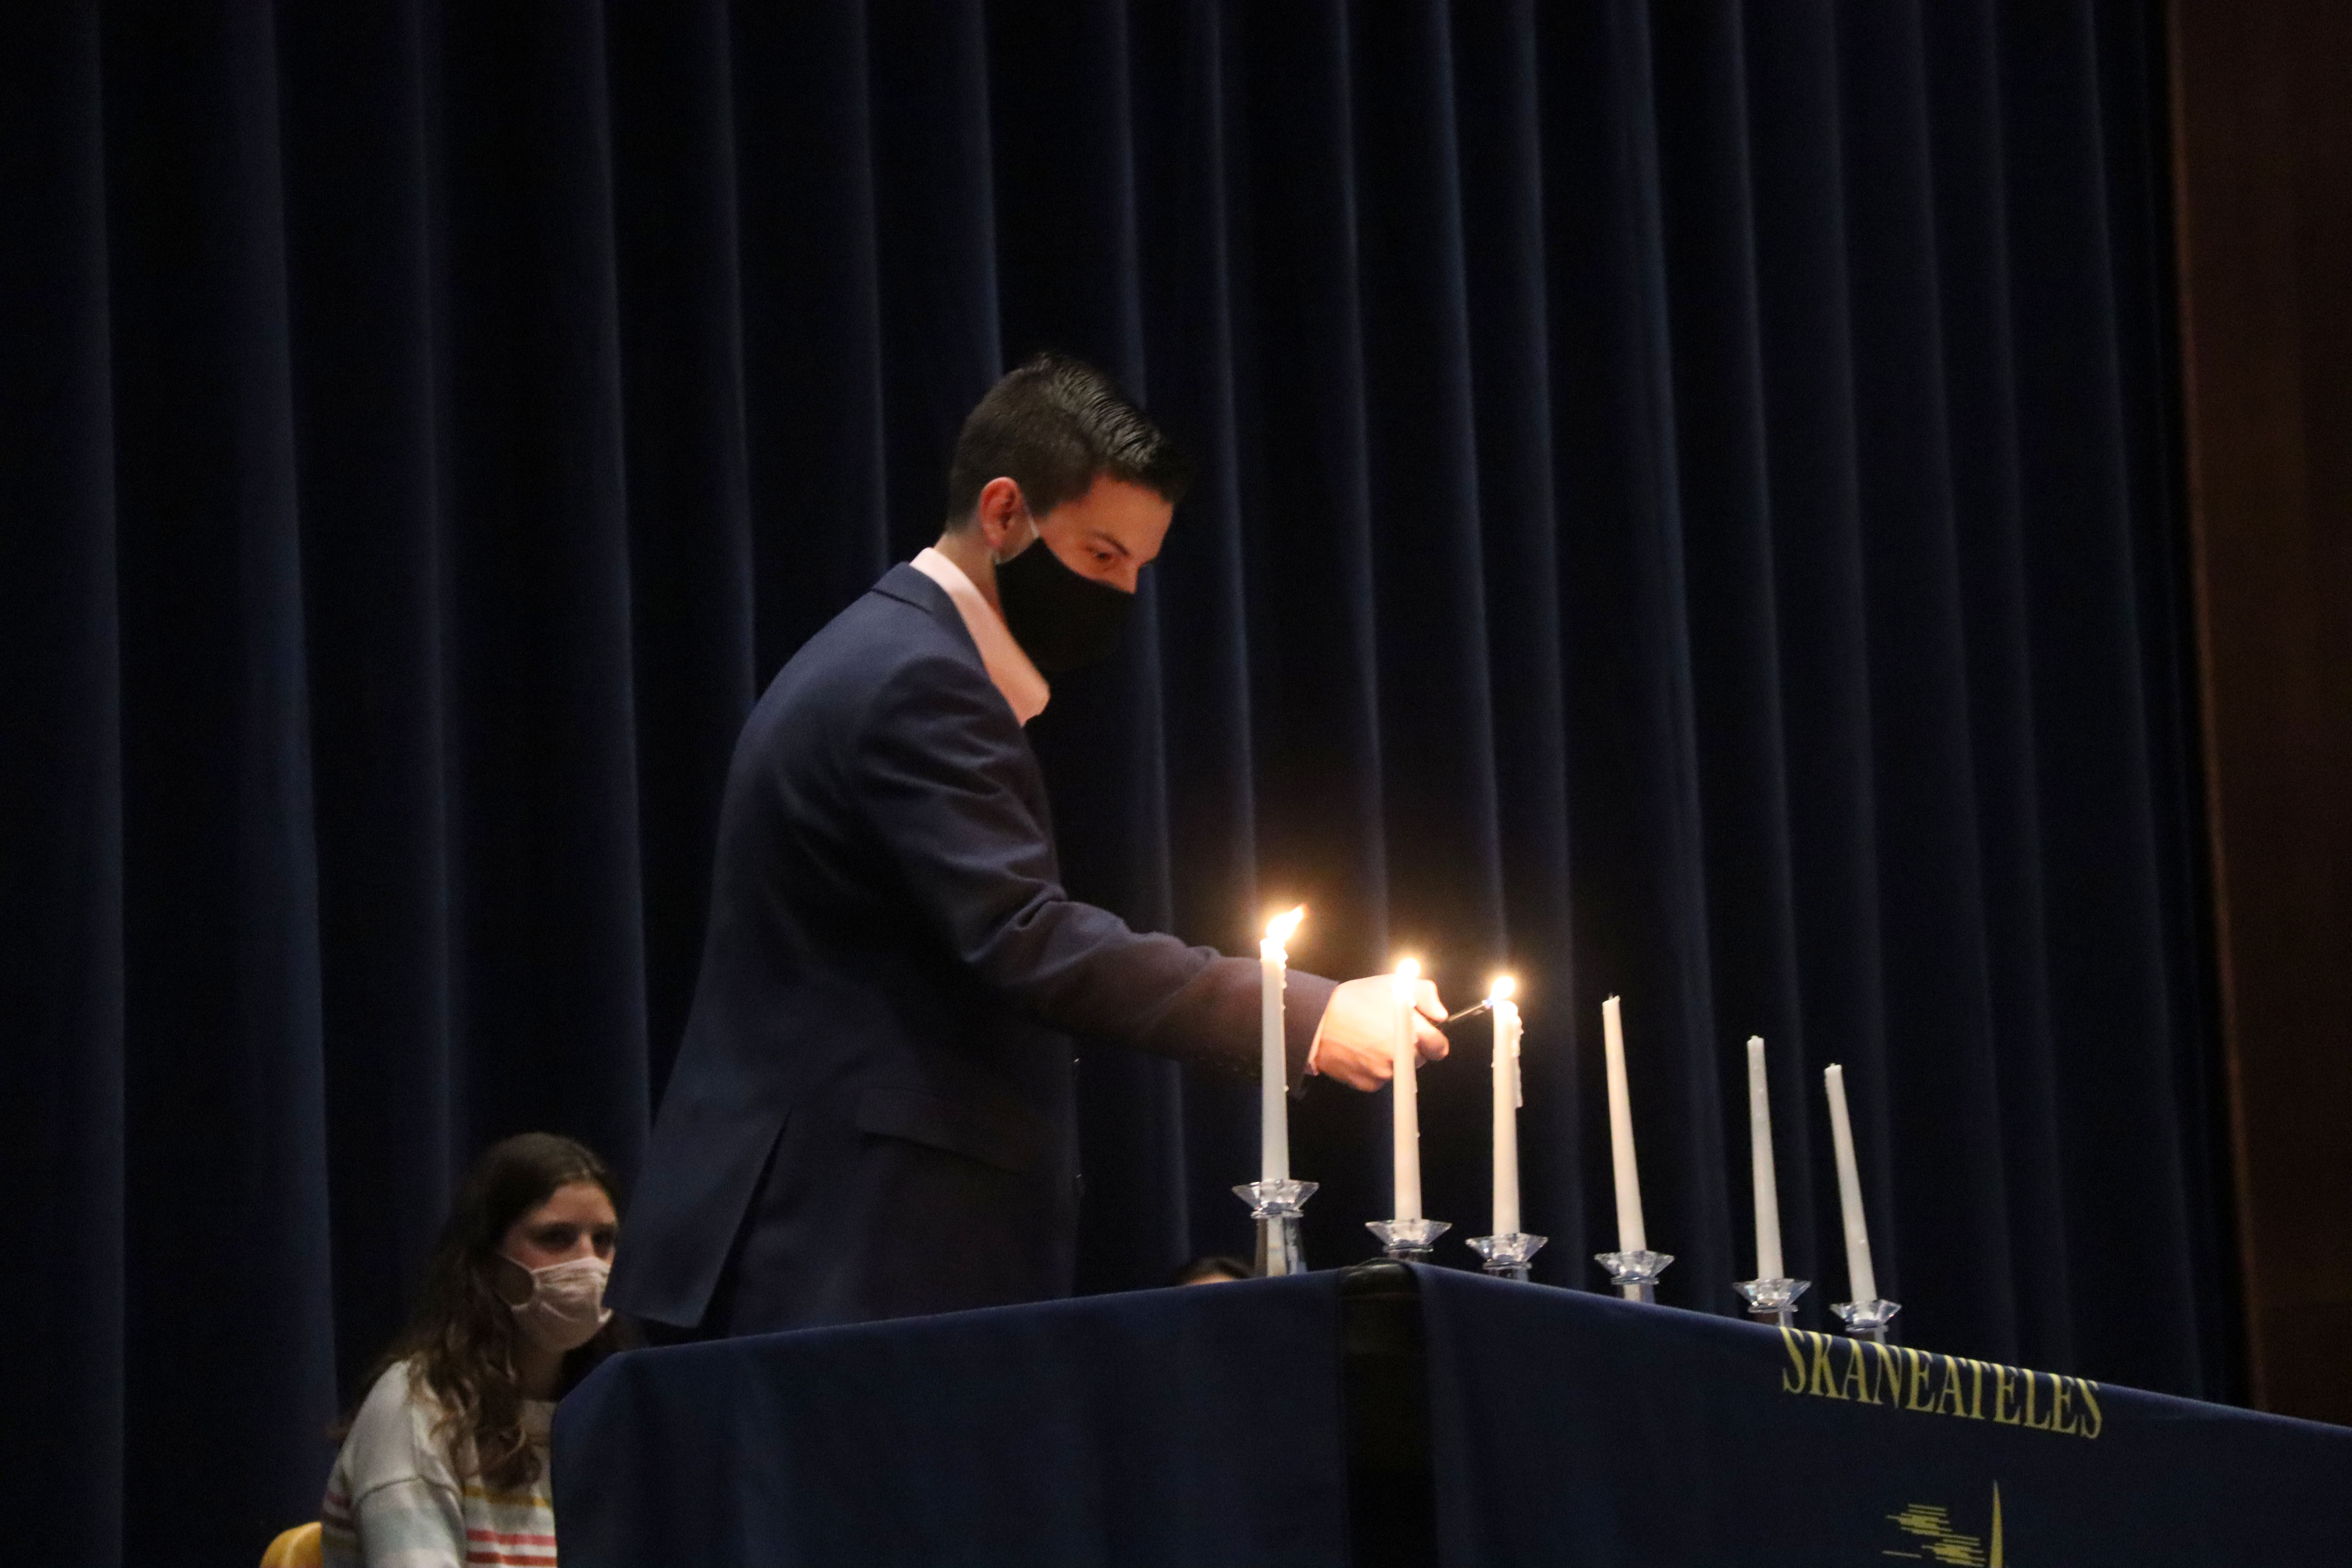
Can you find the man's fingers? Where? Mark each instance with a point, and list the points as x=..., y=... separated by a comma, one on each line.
x=1431, y=1039
x=1364, y=1067
x=1426, y=1003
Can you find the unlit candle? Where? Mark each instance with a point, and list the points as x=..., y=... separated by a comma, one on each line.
x=1631, y=1236
x=1859, y=1278
x=1759, y=1149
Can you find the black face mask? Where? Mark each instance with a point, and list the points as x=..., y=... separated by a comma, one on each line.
x=1060, y=619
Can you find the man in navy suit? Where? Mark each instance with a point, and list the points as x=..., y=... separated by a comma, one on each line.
x=872, y=1112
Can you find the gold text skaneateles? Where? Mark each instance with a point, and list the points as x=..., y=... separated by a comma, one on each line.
x=1826, y=1366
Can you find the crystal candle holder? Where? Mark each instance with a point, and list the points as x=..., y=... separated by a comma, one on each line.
x=1773, y=1298
x=1866, y=1319
x=1635, y=1274
x=1507, y=1257
x=1277, y=1207
x=1408, y=1240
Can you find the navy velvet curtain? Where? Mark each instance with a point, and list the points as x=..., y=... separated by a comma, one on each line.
x=1687, y=514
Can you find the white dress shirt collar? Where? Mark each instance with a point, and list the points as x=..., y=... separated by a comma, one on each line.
x=1009, y=669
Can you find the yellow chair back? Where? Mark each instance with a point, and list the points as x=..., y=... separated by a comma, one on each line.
x=298, y=1548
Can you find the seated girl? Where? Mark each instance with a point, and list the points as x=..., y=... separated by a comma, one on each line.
x=445, y=1461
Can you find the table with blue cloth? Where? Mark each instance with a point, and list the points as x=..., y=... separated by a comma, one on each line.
x=1386, y=1416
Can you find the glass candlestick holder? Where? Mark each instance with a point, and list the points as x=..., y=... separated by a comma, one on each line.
x=1408, y=1240
x=1775, y=1299
x=1277, y=1207
x=1507, y=1257
x=1635, y=1274
x=1866, y=1319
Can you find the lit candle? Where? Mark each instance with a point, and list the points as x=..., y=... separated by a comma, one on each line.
x=1507, y=1106
x=1404, y=1097
x=1631, y=1236
x=1759, y=1153
x=1858, y=1275
x=1273, y=1057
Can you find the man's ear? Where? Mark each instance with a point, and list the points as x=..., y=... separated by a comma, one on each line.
x=1000, y=516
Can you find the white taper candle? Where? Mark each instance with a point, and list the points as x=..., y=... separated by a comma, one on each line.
x=1507, y=1107
x=1759, y=1153
x=1631, y=1236
x=1274, y=1056
x=1860, y=1279
x=1405, y=1105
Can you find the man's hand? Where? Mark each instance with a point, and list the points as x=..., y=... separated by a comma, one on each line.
x=1356, y=1042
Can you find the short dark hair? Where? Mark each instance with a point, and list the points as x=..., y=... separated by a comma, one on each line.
x=1214, y=1267
x=1052, y=426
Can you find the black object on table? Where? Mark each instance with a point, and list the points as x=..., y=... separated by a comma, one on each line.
x=1384, y=1377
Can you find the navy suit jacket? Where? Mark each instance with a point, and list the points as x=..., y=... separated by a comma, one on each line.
x=871, y=1114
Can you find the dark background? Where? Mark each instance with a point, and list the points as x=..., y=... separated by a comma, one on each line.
x=1692, y=509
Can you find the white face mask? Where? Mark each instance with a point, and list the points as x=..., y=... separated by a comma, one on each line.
x=566, y=1304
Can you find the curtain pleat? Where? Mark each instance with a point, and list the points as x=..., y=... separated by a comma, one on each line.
x=225, y=1229
x=1686, y=512
x=1807, y=352
x=1500, y=119
x=62, y=1135
x=371, y=390
x=1963, y=110
x=692, y=584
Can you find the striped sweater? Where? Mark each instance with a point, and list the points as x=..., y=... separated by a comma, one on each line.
x=399, y=1497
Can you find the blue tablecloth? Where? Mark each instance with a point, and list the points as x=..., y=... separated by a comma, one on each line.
x=1207, y=1427
x=1573, y=1428
x=1194, y=1427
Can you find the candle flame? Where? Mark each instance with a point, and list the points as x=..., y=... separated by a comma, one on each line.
x=1278, y=930
x=1503, y=989
x=1409, y=968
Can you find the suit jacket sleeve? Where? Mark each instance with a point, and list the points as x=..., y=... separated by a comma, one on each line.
x=938, y=767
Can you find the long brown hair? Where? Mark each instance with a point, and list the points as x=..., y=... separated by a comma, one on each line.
x=460, y=1341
